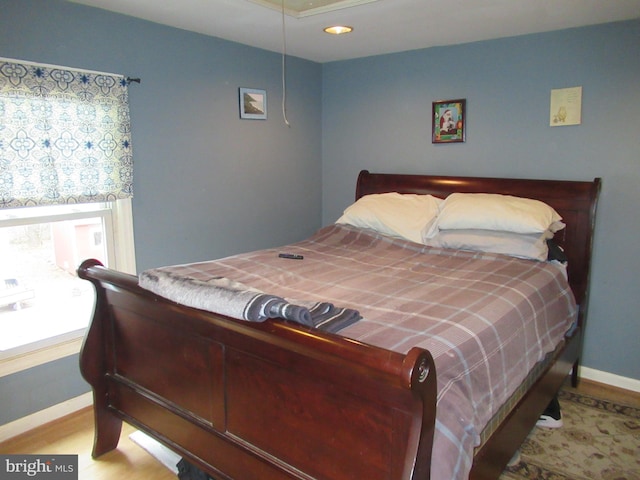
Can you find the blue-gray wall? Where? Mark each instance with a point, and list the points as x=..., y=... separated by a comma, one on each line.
x=377, y=115
x=207, y=184
x=39, y=387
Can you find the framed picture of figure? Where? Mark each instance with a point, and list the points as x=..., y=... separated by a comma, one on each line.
x=449, y=121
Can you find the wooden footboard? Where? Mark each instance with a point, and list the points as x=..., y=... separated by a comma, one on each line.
x=253, y=400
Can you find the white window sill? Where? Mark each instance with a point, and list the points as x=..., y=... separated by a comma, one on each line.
x=18, y=359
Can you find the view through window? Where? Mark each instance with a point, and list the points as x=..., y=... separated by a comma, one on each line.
x=41, y=296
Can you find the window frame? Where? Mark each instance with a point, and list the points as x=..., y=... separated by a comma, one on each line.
x=117, y=219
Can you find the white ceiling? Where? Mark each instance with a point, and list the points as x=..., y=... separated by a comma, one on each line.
x=380, y=26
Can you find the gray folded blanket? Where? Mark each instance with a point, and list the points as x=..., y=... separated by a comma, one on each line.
x=234, y=299
x=326, y=316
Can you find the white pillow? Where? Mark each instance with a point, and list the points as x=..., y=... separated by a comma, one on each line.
x=531, y=246
x=398, y=215
x=490, y=211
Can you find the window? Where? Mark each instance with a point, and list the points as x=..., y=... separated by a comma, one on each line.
x=42, y=301
x=65, y=186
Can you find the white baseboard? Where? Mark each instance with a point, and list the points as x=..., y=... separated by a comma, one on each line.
x=610, y=379
x=42, y=417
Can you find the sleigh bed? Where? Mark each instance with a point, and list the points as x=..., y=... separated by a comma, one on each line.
x=275, y=399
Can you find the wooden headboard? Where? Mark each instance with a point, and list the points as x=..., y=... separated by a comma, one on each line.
x=575, y=201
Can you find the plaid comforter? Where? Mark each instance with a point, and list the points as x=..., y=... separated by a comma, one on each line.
x=485, y=318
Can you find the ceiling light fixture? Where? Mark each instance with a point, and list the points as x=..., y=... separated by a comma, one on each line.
x=338, y=29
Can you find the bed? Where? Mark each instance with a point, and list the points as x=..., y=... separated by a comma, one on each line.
x=278, y=400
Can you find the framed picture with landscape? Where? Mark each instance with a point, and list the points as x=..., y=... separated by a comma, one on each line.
x=449, y=121
x=253, y=103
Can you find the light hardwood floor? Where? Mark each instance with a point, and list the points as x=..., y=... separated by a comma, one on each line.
x=606, y=392
x=74, y=435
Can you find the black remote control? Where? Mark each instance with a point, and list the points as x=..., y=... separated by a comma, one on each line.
x=291, y=256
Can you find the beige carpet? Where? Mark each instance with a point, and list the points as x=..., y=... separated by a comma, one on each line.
x=600, y=440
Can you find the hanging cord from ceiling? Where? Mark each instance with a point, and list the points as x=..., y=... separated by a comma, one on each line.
x=284, y=70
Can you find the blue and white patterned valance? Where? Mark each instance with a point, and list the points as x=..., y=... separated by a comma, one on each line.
x=65, y=136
